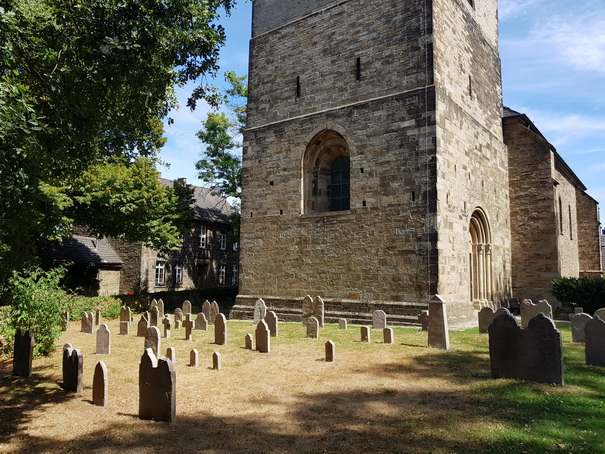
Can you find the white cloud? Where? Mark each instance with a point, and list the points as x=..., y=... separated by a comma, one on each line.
x=508, y=9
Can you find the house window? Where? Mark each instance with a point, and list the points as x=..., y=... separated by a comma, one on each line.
x=235, y=246
x=160, y=273
x=223, y=240
x=326, y=174
x=221, y=274
x=203, y=237
x=178, y=273
x=235, y=275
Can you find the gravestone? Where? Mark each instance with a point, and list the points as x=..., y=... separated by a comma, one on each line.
x=188, y=324
x=263, y=337
x=312, y=325
x=260, y=311
x=388, y=336
x=220, y=330
x=178, y=318
x=342, y=323
x=194, y=358
x=214, y=311
x=153, y=340
x=125, y=317
x=167, y=325
x=365, y=334
x=307, y=308
x=124, y=328
x=73, y=366
x=529, y=310
x=330, y=351
x=153, y=316
x=97, y=317
x=534, y=353
x=439, y=336
x=594, y=347
x=201, y=322
x=87, y=322
x=318, y=310
x=206, y=310
x=379, y=319
x=103, y=340
x=142, y=326
x=23, y=353
x=64, y=320
x=161, y=309
x=272, y=323
x=186, y=307
x=599, y=313
x=578, y=323
x=487, y=316
x=157, y=388
x=171, y=354
x=217, y=361
x=423, y=319
x=100, y=393
x=249, y=342
x=154, y=303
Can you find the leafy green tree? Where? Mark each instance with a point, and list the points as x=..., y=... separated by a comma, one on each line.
x=85, y=84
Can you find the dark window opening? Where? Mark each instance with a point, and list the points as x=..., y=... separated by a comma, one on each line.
x=340, y=179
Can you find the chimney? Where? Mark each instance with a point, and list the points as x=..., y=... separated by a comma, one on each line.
x=182, y=180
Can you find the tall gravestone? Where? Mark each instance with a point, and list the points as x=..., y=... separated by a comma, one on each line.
x=534, y=353
x=439, y=335
x=330, y=351
x=194, y=358
x=171, y=354
x=154, y=314
x=217, y=361
x=125, y=317
x=23, y=353
x=214, y=311
x=263, y=337
x=142, y=326
x=100, y=393
x=201, y=322
x=178, y=318
x=186, y=307
x=388, y=336
x=220, y=329
x=578, y=323
x=153, y=340
x=319, y=310
x=157, y=388
x=365, y=334
x=161, y=311
x=307, y=308
x=167, y=325
x=188, y=324
x=312, y=325
x=73, y=367
x=379, y=319
x=64, y=320
x=97, y=317
x=529, y=310
x=206, y=310
x=87, y=322
x=272, y=323
x=260, y=311
x=103, y=340
x=487, y=316
x=594, y=338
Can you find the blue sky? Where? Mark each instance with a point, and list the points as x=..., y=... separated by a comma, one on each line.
x=553, y=70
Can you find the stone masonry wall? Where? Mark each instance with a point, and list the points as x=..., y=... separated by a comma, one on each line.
x=565, y=205
x=588, y=233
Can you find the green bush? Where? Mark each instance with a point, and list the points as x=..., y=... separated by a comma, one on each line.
x=76, y=304
x=585, y=292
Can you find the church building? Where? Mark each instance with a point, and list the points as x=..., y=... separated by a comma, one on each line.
x=377, y=172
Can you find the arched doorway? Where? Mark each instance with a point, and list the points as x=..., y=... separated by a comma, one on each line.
x=481, y=284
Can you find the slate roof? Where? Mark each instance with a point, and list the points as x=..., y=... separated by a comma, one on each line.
x=80, y=249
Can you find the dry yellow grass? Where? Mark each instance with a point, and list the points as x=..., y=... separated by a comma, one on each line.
x=374, y=398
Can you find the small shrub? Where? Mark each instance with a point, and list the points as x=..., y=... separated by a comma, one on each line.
x=77, y=304
x=588, y=293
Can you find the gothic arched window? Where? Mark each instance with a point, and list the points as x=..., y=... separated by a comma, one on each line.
x=480, y=258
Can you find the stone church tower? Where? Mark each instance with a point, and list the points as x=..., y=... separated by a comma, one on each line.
x=375, y=173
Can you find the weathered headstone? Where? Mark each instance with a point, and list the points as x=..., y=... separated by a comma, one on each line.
x=206, y=310
x=153, y=340
x=534, y=353
x=485, y=317
x=423, y=319
x=97, y=317
x=201, y=322
x=167, y=325
x=578, y=323
x=124, y=328
x=330, y=351
x=263, y=337
x=125, y=317
x=599, y=313
x=160, y=309
x=157, y=388
x=220, y=329
x=103, y=340
x=318, y=310
x=154, y=303
x=312, y=325
x=194, y=358
x=171, y=354
x=307, y=308
x=439, y=336
x=23, y=353
x=388, y=336
x=100, y=393
x=260, y=311
x=272, y=323
x=217, y=361
x=87, y=322
x=64, y=320
x=73, y=366
x=154, y=313
x=529, y=310
x=188, y=324
x=142, y=326
x=214, y=311
x=249, y=342
x=594, y=347
x=365, y=334
x=379, y=319
x=186, y=307
x=342, y=323
x=178, y=318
